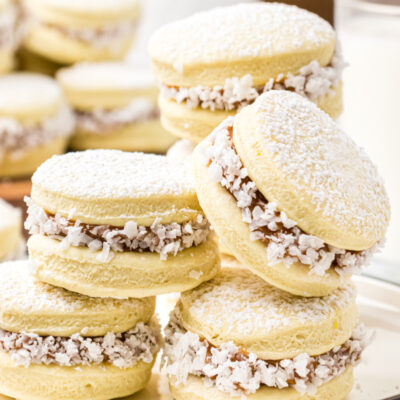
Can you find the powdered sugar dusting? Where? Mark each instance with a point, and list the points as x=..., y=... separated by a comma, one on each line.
x=240, y=31
x=312, y=81
x=20, y=291
x=284, y=240
x=234, y=371
x=105, y=174
x=123, y=350
x=319, y=159
x=257, y=305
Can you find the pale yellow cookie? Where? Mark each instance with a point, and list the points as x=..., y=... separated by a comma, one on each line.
x=213, y=63
x=291, y=195
x=10, y=30
x=10, y=231
x=32, y=127
x=69, y=346
x=116, y=108
x=236, y=335
x=80, y=30
x=112, y=224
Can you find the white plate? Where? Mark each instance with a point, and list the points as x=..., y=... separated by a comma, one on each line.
x=377, y=377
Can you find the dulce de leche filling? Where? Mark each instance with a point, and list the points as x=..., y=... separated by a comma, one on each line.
x=285, y=242
x=123, y=350
x=234, y=370
x=165, y=239
x=312, y=81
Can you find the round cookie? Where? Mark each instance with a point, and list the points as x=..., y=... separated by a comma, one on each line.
x=67, y=32
x=10, y=31
x=272, y=344
x=111, y=224
x=115, y=106
x=32, y=62
x=213, y=63
x=70, y=345
x=11, y=243
x=296, y=201
x=32, y=127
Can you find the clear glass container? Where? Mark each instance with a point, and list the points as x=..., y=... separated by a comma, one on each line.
x=369, y=32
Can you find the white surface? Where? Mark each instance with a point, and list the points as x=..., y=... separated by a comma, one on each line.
x=371, y=45
x=376, y=377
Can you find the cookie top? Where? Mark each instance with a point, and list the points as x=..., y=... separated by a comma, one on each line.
x=261, y=39
x=113, y=187
x=265, y=320
x=105, y=84
x=9, y=216
x=299, y=158
x=27, y=305
x=19, y=97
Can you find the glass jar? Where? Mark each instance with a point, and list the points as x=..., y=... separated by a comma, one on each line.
x=369, y=32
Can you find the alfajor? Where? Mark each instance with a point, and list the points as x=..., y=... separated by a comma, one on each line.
x=291, y=195
x=69, y=31
x=35, y=122
x=12, y=245
x=10, y=34
x=215, y=62
x=112, y=224
x=115, y=107
x=69, y=346
x=271, y=345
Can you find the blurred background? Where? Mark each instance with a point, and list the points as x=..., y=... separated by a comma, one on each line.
x=369, y=32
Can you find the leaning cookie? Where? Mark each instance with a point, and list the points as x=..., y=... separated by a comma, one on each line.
x=12, y=246
x=215, y=62
x=291, y=195
x=272, y=345
x=115, y=107
x=67, y=32
x=109, y=223
x=66, y=345
x=35, y=123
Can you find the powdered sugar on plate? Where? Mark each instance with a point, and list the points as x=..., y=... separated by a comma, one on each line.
x=113, y=174
x=257, y=305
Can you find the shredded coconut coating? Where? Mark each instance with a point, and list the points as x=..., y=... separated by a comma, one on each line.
x=99, y=174
x=123, y=350
x=165, y=239
x=16, y=138
x=248, y=295
x=285, y=241
x=312, y=81
x=234, y=371
x=100, y=121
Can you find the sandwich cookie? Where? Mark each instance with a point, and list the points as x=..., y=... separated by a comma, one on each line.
x=115, y=107
x=35, y=123
x=215, y=62
x=273, y=345
x=12, y=245
x=10, y=34
x=181, y=150
x=291, y=195
x=69, y=346
x=81, y=30
x=111, y=224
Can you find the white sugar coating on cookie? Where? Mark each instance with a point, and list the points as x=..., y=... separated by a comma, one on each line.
x=241, y=31
x=20, y=291
x=9, y=215
x=90, y=6
x=105, y=174
x=319, y=159
x=25, y=91
x=256, y=306
x=94, y=76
